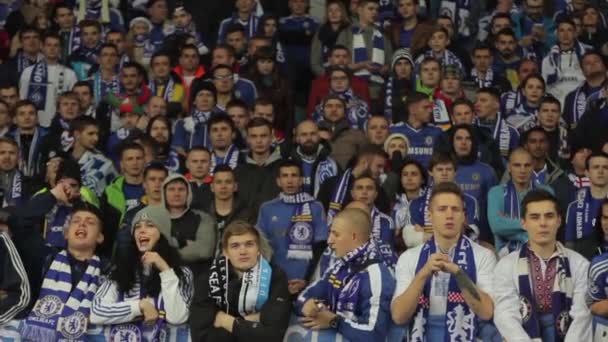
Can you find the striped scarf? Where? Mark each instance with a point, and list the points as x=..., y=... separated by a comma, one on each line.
x=61, y=312
x=28, y=164
x=337, y=199
x=168, y=89
x=511, y=205
x=38, y=85
x=301, y=233
x=555, y=55
x=102, y=88
x=484, y=82
x=561, y=298
x=360, y=54
x=231, y=158
x=586, y=209
x=461, y=322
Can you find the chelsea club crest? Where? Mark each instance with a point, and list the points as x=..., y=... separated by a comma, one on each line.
x=428, y=141
x=48, y=306
x=525, y=308
x=125, y=332
x=301, y=233
x=74, y=325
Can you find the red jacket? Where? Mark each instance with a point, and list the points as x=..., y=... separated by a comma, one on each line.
x=179, y=71
x=320, y=89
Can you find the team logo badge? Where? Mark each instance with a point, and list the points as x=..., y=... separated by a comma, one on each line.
x=126, y=333
x=525, y=308
x=48, y=306
x=301, y=233
x=562, y=323
x=428, y=141
x=476, y=176
x=74, y=325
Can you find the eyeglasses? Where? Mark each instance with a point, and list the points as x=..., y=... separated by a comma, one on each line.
x=222, y=77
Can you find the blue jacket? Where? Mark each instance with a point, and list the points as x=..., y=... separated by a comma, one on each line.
x=370, y=319
x=274, y=221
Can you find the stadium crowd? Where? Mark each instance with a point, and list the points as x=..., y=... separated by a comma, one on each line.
x=303, y=170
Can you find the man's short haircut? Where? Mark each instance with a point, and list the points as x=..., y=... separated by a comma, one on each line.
x=415, y=98
x=160, y=54
x=229, y=49
x=24, y=103
x=155, y=166
x=235, y=28
x=263, y=101
x=481, y=46
x=81, y=123
x=288, y=163
x=338, y=47
x=259, y=122
x=199, y=149
x=90, y=23
x=237, y=103
x=84, y=206
x=526, y=135
x=53, y=35
x=598, y=154
x=593, y=52
x=10, y=141
x=506, y=32
x=188, y=47
x=108, y=45
x=223, y=168
x=221, y=66
x=70, y=95
x=218, y=118
x=59, y=6
x=428, y=60
x=441, y=158
x=490, y=91
x=501, y=16
x=9, y=85
x=358, y=220
x=538, y=195
x=463, y=101
x=566, y=20
x=447, y=188
x=365, y=2
x=133, y=65
x=130, y=145
x=83, y=84
x=519, y=149
x=552, y=100
x=28, y=29
x=368, y=151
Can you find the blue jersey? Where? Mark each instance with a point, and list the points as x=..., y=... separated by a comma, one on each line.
x=421, y=140
x=476, y=179
x=598, y=278
x=275, y=222
x=296, y=35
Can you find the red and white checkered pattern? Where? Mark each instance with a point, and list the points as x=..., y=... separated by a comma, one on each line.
x=455, y=297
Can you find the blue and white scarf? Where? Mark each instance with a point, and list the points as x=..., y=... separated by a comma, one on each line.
x=511, y=204
x=585, y=211
x=501, y=135
x=301, y=233
x=197, y=123
x=38, y=85
x=360, y=54
x=510, y=100
x=172, y=163
x=337, y=199
x=62, y=312
x=255, y=286
x=380, y=224
x=231, y=158
x=28, y=164
x=357, y=110
x=97, y=171
x=460, y=10
x=15, y=197
x=561, y=298
x=24, y=62
x=102, y=88
x=55, y=223
x=168, y=89
x=447, y=58
x=460, y=320
x=484, y=82
x=343, y=297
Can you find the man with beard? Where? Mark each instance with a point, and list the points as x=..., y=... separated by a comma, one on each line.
x=594, y=70
x=506, y=56
x=545, y=171
x=534, y=29
x=11, y=179
x=313, y=156
x=88, y=53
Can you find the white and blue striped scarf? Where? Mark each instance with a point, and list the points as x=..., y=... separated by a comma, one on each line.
x=360, y=53
x=484, y=82
x=62, y=312
x=39, y=82
x=337, y=199
x=301, y=233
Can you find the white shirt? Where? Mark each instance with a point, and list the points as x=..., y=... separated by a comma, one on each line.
x=570, y=75
x=507, y=316
x=60, y=78
x=405, y=272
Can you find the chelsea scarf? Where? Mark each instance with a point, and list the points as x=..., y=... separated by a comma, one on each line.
x=360, y=53
x=301, y=233
x=61, y=312
x=457, y=309
x=255, y=286
x=38, y=85
x=561, y=298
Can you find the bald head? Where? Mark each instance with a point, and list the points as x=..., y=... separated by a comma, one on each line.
x=307, y=137
x=359, y=205
x=520, y=152
x=356, y=219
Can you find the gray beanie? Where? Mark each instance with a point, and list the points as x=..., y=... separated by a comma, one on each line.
x=156, y=214
x=402, y=53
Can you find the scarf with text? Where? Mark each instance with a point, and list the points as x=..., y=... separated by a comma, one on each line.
x=360, y=54
x=561, y=298
x=460, y=320
x=301, y=233
x=554, y=57
x=62, y=312
x=255, y=286
x=586, y=209
x=38, y=85
x=337, y=198
x=23, y=61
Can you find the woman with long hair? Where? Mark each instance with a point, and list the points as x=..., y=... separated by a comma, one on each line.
x=243, y=297
x=147, y=296
x=159, y=129
x=327, y=35
x=523, y=116
x=413, y=181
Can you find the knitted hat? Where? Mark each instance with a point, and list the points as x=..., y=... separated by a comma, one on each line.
x=141, y=20
x=158, y=215
x=127, y=105
x=208, y=86
x=397, y=136
x=403, y=53
x=452, y=71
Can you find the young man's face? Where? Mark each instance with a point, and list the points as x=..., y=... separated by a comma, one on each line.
x=85, y=98
x=566, y=34
x=506, y=45
x=5, y=118
x=443, y=173
x=26, y=117
x=364, y=190
x=8, y=157
x=130, y=79
x=377, y=130
x=520, y=167
x=84, y=231
x=339, y=57
x=157, y=106
x=189, y=59
x=31, y=42
x=537, y=145
x=485, y=105
x=221, y=56
x=221, y=135
x=108, y=58
x=153, y=184
x=548, y=115
x=339, y=81
x=439, y=42
x=182, y=19
x=298, y=7
x=447, y=215
x=204, y=101
x=289, y=180
x=237, y=40
x=429, y=74
x=541, y=222
x=265, y=111
x=118, y=39
x=368, y=12
x=500, y=24
x=90, y=36
x=462, y=114
x=161, y=67
x=223, y=80
x=68, y=108
x=245, y=6
x=333, y=110
x=158, y=12
x=64, y=18
x=598, y=171
x=579, y=158
x=408, y=9
x=450, y=85
x=132, y=162
x=51, y=49
x=239, y=115
x=259, y=139
x=482, y=59
x=223, y=185
x=422, y=110
x=176, y=194
x=198, y=163
x=463, y=143
x=88, y=137
x=593, y=66
x=10, y=96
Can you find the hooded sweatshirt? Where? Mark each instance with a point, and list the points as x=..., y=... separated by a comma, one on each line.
x=192, y=231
